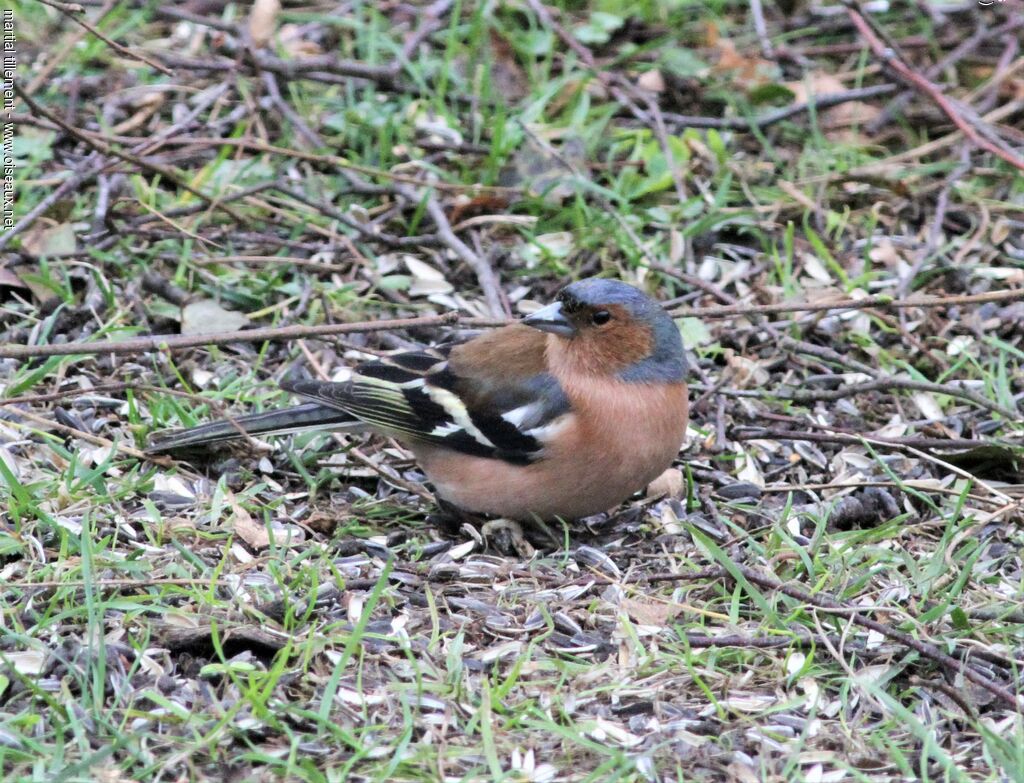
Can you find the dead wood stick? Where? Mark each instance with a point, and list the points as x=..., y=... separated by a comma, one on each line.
x=176, y=342
x=918, y=81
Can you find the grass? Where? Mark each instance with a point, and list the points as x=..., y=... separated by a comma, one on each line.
x=298, y=614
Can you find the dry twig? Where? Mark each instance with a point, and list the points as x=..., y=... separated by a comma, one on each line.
x=918, y=81
x=175, y=342
x=73, y=11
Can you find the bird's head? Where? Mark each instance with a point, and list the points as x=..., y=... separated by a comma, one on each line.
x=607, y=327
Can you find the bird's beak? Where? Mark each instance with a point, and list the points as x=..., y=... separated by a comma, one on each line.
x=551, y=319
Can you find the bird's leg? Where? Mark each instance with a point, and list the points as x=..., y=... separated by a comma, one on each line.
x=450, y=518
x=507, y=535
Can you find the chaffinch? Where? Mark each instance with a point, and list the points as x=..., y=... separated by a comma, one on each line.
x=564, y=414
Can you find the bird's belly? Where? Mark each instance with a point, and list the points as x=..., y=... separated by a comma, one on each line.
x=577, y=480
x=489, y=486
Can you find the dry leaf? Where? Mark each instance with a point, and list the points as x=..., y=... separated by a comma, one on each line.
x=742, y=773
x=836, y=119
x=246, y=528
x=426, y=280
x=436, y=128
x=547, y=169
x=507, y=77
x=795, y=662
x=1009, y=275
x=10, y=280
x=873, y=675
x=885, y=252
x=48, y=237
x=656, y=613
x=928, y=405
x=668, y=484
x=206, y=316
x=146, y=105
x=651, y=80
x=1000, y=232
x=28, y=662
x=814, y=268
x=608, y=732
x=102, y=774
x=962, y=343
x=748, y=72
x=263, y=21
x=741, y=701
x=750, y=472
x=743, y=372
x=290, y=39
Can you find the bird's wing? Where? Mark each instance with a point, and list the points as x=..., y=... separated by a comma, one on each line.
x=505, y=407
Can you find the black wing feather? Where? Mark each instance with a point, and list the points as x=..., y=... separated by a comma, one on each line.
x=419, y=396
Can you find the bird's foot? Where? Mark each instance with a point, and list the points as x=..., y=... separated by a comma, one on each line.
x=504, y=535
x=450, y=519
x=507, y=535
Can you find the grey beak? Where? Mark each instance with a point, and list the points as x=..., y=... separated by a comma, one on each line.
x=551, y=319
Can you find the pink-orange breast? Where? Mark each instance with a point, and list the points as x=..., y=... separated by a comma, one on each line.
x=619, y=437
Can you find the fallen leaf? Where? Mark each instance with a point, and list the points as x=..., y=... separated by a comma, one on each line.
x=246, y=528
x=426, y=280
x=651, y=81
x=885, y=252
x=27, y=662
x=836, y=120
x=743, y=372
x=263, y=21
x=657, y=613
x=928, y=405
x=548, y=169
x=555, y=245
x=291, y=39
x=507, y=77
x=146, y=105
x=436, y=128
x=750, y=472
x=962, y=343
x=48, y=237
x=795, y=663
x=815, y=269
x=606, y=731
x=668, y=484
x=1009, y=275
x=109, y=774
x=1000, y=232
x=748, y=702
x=10, y=280
x=873, y=675
x=206, y=316
x=747, y=72
x=694, y=332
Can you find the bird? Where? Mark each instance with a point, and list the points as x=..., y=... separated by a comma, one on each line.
x=562, y=415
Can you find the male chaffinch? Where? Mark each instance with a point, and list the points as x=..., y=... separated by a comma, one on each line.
x=565, y=414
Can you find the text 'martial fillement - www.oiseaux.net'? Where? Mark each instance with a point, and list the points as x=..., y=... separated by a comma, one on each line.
x=8, y=64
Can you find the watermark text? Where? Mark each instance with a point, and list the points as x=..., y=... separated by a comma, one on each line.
x=8, y=64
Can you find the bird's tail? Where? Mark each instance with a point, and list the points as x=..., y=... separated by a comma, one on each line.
x=299, y=418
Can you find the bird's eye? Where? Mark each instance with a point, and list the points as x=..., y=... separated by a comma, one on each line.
x=601, y=317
